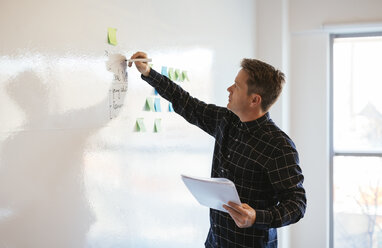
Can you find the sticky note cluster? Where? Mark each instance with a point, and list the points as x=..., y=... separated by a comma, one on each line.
x=154, y=105
x=175, y=74
x=140, y=125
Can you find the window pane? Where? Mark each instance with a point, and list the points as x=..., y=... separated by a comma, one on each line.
x=357, y=202
x=357, y=100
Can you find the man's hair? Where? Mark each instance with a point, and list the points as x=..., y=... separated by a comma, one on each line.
x=264, y=80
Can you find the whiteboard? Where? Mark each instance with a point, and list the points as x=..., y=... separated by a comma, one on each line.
x=72, y=172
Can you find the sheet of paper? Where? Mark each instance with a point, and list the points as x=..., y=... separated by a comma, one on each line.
x=212, y=192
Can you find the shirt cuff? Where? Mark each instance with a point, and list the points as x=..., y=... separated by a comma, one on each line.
x=151, y=74
x=263, y=219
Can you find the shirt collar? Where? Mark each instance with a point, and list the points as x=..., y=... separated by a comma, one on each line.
x=255, y=124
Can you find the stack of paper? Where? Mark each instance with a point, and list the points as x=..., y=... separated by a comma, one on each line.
x=212, y=192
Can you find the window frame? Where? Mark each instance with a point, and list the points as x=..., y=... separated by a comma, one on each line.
x=333, y=153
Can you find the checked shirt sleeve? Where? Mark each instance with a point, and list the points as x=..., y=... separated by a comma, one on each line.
x=205, y=116
x=286, y=178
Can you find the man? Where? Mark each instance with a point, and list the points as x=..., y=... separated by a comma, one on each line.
x=250, y=150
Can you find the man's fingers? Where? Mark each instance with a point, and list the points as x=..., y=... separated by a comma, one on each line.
x=246, y=206
x=236, y=216
x=237, y=207
x=233, y=213
x=141, y=66
x=138, y=55
x=243, y=215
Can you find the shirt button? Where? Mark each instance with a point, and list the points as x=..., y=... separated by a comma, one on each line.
x=236, y=140
x=222, y=170
x=228, y=156
x=217, y=244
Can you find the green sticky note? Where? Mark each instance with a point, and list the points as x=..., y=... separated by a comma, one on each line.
x=149, y=105
x=140, y=125
x=157, y=126
x=181, y=77
x=177, y=75
x=112, y=36
x=184, y=76
x=171, y=74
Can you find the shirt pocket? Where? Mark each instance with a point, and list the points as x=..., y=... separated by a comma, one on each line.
x=247, y=170
x=251, y=181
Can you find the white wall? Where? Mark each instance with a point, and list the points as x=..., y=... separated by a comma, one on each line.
x=272, y=46
x=309, y=128
x=70, y=176
x=308, y=95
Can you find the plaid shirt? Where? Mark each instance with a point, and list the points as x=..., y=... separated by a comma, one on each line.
x=257, y=156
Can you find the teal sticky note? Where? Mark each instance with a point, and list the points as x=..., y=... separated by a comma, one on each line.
x=155, y=92
x=170, y=108
x=177, y=74
x=149, y=104
x=157, y=125
x=171, y=74
x=157, y=105
x=164, y=71
x=140, y=126
x=112, y=36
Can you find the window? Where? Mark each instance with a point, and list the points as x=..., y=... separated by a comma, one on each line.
x=356, y=141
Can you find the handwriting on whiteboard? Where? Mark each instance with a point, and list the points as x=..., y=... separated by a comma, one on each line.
x=117, y=65
x=117, y=95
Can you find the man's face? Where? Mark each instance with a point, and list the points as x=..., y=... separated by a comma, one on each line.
x=239, y=101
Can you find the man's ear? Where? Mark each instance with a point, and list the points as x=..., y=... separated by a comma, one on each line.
x=256, y=100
